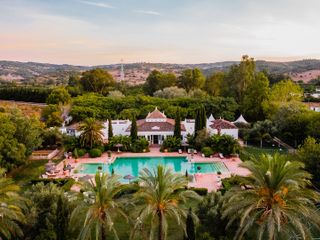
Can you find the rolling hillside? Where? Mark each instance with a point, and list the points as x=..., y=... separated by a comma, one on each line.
x=135, y=73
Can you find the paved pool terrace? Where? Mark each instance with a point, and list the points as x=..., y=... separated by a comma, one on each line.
x=211, y=181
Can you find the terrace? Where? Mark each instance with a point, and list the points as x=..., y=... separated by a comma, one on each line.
x=201, y=178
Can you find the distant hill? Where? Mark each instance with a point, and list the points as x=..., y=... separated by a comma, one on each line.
x=135, y=73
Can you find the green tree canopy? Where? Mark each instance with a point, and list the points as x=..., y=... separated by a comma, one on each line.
x=309, y=154
x=158, y=81
x=97, y=80
x=239, y=78
x=170, y=92
x=256, y=93
x=59, y=96
x=191, y=79
x=214, y=84
x=283, y=93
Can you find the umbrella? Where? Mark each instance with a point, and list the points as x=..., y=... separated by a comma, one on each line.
x=128, y=177
x=50, y=166
x=69, y=167
x=119, y=145
x=85, y=178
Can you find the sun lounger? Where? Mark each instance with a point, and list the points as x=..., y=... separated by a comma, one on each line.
x=195, y=151
x=203, y=155
x=180, y=151
x=189, y=150
x=221, y=155
x=51, y=174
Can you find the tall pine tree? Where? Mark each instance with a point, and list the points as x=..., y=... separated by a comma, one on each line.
x=177, y=125
x=110, y=131
x=134, y=129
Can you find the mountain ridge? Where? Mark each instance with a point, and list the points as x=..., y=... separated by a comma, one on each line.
x=26, y=72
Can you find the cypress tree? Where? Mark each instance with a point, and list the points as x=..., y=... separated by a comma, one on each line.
x=190, y=226
x=134, y=129
x=200, y=120
x=110, y=131
x=177, y=125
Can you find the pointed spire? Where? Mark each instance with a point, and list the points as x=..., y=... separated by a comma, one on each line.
x=241, y=120
x=211, y=118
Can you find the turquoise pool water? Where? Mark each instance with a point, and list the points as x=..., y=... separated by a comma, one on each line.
x=133, y=165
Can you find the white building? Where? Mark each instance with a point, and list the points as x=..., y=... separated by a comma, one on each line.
x=156, y=127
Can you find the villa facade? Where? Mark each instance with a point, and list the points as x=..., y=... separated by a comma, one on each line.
x=156, y=127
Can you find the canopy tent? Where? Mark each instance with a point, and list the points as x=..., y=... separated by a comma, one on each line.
x=241, y=120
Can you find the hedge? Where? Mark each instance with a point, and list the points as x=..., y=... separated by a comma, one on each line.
x=95, y=152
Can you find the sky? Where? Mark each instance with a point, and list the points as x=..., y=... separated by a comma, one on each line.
x=94, y=32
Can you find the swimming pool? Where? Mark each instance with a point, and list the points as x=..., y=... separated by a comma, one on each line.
x=133, y=165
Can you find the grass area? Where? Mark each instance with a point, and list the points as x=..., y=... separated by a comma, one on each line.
x=250, y=151
x=27, y=109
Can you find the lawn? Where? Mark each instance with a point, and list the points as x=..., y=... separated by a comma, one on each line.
x=250, y=151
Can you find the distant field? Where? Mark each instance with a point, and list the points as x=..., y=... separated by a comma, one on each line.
x=305, y=76
x=29, y=109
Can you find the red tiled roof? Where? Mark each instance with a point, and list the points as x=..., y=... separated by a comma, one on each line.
x=312, y=104
x=222, y=124
x=156, y=114
x=167, y=126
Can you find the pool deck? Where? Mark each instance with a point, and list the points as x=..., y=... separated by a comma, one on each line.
x=211, y=181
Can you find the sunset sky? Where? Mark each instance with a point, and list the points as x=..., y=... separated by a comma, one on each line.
x=92, y=32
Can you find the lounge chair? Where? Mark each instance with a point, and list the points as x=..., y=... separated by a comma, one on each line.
x=180, y=151
x=202, y=155
x=221, y=155
x=189, y=150
x=195, y=151
x=50, y=174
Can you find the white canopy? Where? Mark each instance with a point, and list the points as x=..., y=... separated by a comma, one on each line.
x=211, y=118
x=241, y=120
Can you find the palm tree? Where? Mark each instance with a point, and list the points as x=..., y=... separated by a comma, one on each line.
x=91, y=133
x=276, y=202
x=162, y=195
x=11, y=208
x=99, y=207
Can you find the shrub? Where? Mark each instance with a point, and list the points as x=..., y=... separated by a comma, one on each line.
x=207, y=151
x=224, y=144
x=124, y=140
x=81, y=152
x=95, y=152
x=140, y=145
x=200, y=191
x=171, y=143
x=66, y=184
